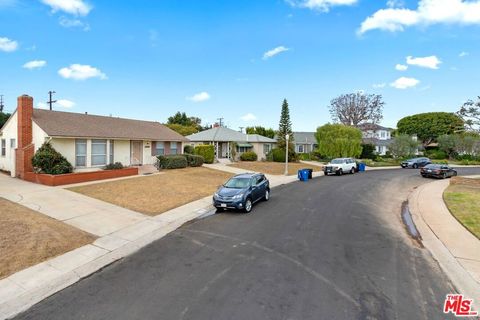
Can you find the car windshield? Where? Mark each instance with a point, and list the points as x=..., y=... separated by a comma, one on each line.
x=337, y=161
x=237, y=183
x=410, y=160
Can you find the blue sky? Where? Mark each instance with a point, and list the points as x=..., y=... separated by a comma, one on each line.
x=238, y=59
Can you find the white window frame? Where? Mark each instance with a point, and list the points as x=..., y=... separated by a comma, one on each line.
x=301, y=148
x=4, y=147
x=157, y=149
x=173, y=150
x=77, y=142
x=104, y=155
x=13, y=143
x=267, y=147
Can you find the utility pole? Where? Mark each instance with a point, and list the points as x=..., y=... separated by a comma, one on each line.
x=1, y=103
x=50, y=102
x=220, y=122
x=241, y=129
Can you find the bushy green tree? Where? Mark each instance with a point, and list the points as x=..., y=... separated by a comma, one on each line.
x=50, y=161
x=368, y=151
x=183, y=130
x=402, y=146
x=266, y=132
x=183, y=124
x=338, y=140
x=429, y=126
x=447, y=143
x=3, y=118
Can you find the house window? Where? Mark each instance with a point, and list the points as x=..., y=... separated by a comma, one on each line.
x=242, y=149
x=383, y=134
x=99, y=152
x=4, y=147
x=267, y=148
x=13, y=143
x=80, y=153
x=301, y=148
x=159, y=148
x=173, y=148
x=112, y=144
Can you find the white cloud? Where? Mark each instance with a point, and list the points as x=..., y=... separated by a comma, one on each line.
x=271, y=53
x=428, y=12
x=321, y=5
x=75, y=7
x=248, y=117
x=463, y=54
x=8, y=45
x=430, y=62
x=199, y=97
x=395, y=3
x=64, y=103
x=404, y=83
x=81, y=72
x=401, y=67
x=379, y=85
x=73, y=23
x=35, y=64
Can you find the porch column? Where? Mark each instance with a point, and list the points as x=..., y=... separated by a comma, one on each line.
x=228, y=150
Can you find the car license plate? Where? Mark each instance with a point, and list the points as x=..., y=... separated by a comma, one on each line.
x=223, y=205
x=429, y=170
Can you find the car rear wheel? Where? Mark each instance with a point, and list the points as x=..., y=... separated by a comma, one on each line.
x=267, y=195
x=248, y=205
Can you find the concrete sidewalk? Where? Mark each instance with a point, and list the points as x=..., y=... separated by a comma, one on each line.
x=453, y=246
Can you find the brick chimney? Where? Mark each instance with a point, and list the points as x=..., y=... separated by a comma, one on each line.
x=25, y=148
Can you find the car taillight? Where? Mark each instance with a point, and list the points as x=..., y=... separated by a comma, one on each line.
x=437, y=171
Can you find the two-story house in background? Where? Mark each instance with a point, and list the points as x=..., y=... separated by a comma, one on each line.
x=379, y=136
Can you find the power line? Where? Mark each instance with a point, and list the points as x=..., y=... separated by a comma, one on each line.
x=1, y=103
x=50, y=102
x=220, y=121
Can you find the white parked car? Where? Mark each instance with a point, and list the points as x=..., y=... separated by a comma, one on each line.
x=340, y=166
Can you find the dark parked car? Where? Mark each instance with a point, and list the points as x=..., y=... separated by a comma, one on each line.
x=415, y=163
x=438, y=171
x=242, y=191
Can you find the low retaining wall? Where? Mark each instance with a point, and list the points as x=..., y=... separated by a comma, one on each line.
x=472, y=182
x=69, y=178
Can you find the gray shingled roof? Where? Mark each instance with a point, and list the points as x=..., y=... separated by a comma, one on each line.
x=259, y=138
x=79, y=125
x=305, y=137
x=222, y=134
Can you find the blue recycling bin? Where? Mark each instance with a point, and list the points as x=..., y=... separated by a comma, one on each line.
x=361, y=167
x=303, y=175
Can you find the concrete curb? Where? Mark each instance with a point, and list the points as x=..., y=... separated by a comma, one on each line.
x=28, y=287
x=425, y=223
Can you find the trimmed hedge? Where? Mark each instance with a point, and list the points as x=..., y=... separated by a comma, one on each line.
x=207, y=151
x=114, y=166
x=194, y=160
x=278, y=155
x=249, y=156
x=188, y=149
x=172, y=162
x=50, y=161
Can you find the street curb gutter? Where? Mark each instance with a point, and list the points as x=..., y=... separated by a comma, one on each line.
x=460, y=277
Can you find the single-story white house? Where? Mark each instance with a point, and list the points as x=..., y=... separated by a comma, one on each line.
x=224, y=138
x=88, y=142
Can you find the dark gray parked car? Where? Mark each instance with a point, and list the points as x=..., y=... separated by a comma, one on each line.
x=242, y=191
x=416, y=163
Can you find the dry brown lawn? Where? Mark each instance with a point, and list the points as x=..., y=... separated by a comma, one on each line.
x=274, y=168
x=28, y=237
x=158, y=193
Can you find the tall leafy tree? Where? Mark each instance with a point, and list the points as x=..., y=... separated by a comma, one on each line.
x=184, y=124
x=403, y=145
x=3, y=118
x=429, y=126
x=266, y=132
x=470, y=113
x=353, y=109
x=285, y=127
x=338, y=140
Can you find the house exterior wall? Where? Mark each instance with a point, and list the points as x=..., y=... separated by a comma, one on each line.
x=39, y=136
x=66, y=146
x=121, y=152
x=258, y=149
x=7, y=162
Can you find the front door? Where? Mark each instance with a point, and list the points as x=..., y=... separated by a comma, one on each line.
x=136, y=155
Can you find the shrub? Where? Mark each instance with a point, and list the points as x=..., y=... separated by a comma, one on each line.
x=207, y=151
x=50, y=161
x=437, y=154
x=188, y=149
x=305, y=156
x=114, y=166
x=194, y=160
x=368, y=151
x=171, y=162
x=278, y=155
x=249, y=156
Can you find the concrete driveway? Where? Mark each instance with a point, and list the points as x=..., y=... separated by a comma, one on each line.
x=332, y=248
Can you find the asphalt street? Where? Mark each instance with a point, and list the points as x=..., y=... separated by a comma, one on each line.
x=331, y=248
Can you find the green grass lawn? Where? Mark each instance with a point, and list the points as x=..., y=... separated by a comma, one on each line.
x=464, y=204
x=461, y=162
x=383, y=163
